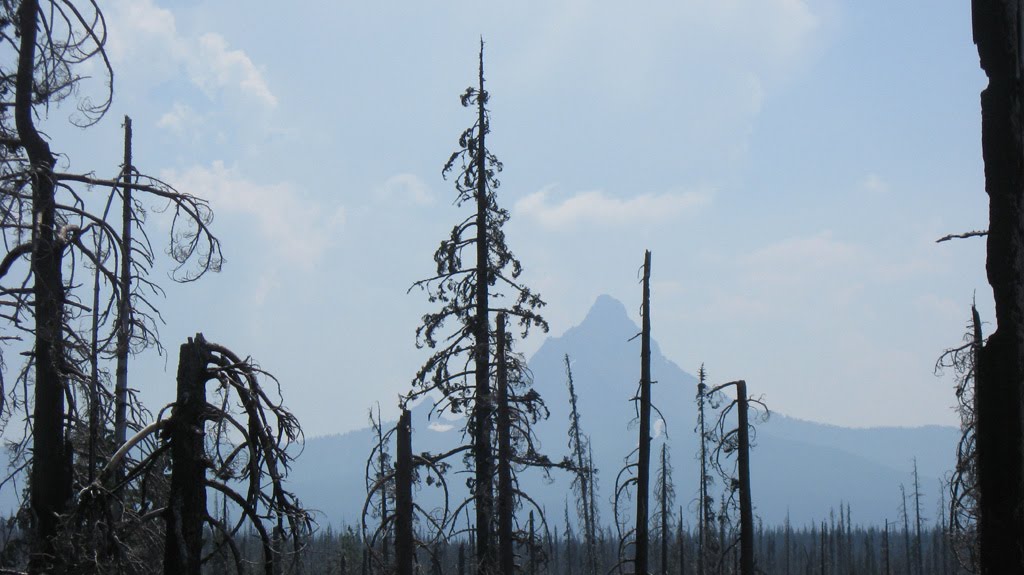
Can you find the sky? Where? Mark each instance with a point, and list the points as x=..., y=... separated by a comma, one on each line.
x=790, y=164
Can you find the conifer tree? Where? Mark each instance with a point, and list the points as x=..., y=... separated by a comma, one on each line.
x=470, y=292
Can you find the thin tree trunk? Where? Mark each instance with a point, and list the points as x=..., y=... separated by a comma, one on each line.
x=1000, y=370
x=644, y=455
x=918, y=549
x=746, y=507
x=506, y=552
x=702, y=524
x=664, y=512
x=382, y=461
x=124, y=312
x=94, y=370
x=186, y=509
x=906, y=531
x=484, y=490
x=404, y=544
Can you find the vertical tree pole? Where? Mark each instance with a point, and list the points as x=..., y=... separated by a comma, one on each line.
x=484, y=490
x=506, y=552
x=186, y=509
x=743, y=459
x=704, y=511
x=124, y=311
x=644, y=450
x=998, y=396
x=404, y=545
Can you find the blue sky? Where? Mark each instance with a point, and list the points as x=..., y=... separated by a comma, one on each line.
x=788, y=162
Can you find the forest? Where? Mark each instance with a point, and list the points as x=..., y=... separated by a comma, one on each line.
x=107, y=484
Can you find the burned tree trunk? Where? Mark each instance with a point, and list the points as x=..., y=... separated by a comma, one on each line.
x=506, y=552
x=124, y=312
x=743, y=461
x=1000, y=438
x=186, y=509
x=405, y=548
x=644, y=453
x=51, y=465
x=483, y=486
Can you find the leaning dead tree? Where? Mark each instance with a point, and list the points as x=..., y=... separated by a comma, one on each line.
x=459, y=375
x=736, y=440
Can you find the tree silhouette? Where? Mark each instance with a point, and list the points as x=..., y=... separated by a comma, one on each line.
x=737, y=440
x=460, y=369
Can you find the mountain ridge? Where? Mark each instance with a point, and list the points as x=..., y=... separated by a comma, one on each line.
x=799, y=468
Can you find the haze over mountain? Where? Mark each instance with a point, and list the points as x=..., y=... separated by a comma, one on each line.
x=798, y=467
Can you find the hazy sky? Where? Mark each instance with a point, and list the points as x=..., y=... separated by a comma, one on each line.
x=788, y=162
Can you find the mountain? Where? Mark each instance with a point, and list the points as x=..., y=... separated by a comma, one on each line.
x=798, y=467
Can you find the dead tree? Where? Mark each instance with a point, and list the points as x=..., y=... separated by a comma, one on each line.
x=918, y=549
x=186, y=506
x=641, y=480
x=584, y=476
x=47, y=224
x=737, y=440
x=394, y=482
x=963, y=483
x=644, y=448
x=705, y=513
x=665, y=492
x=1000, y=375
x=237, y=441
x=462, y=365
x=405, y=549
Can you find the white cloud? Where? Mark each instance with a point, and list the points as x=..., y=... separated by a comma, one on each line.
x=798, y=256
x=214, y=67
x=298, y=229
x=596, y=207
x=180, y=119
x=405, y=189
x=144, y=37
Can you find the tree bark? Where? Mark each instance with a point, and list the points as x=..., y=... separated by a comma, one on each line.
x=998, y=395
x=644, y=454
x=404, y=545
x=186, y=509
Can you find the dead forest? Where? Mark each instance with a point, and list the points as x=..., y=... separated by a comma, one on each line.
x=201, y=485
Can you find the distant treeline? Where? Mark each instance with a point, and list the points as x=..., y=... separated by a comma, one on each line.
x=829, y=549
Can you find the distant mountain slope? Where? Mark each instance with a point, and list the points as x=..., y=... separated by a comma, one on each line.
x=798, y=467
